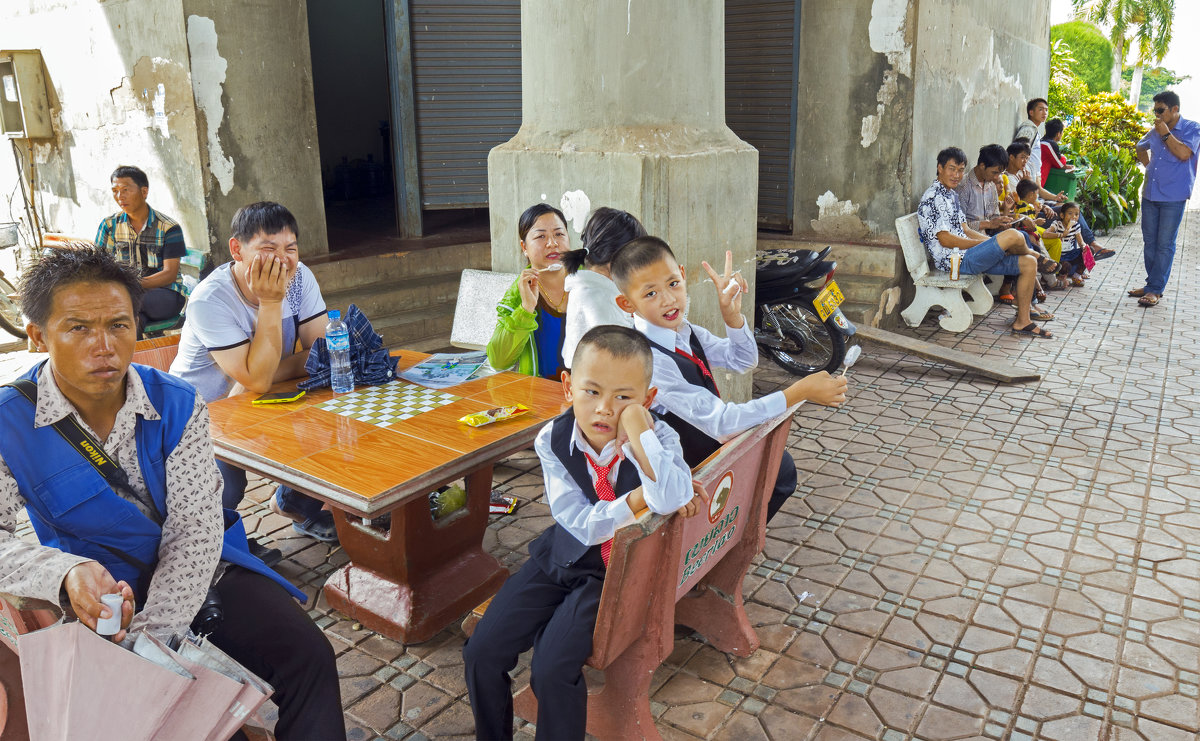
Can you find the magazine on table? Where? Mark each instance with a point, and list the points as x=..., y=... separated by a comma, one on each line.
x=444, y=370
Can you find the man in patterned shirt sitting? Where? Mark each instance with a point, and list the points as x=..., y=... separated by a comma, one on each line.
x=149, y=241
x=943, y=228
x=136, y=509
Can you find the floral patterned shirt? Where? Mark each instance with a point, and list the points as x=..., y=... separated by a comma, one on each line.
x=192, y=532
x=939, y=211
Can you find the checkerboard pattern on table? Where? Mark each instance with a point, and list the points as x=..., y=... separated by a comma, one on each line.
x=387, y=404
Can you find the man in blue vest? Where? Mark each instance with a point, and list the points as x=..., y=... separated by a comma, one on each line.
x=114, y=464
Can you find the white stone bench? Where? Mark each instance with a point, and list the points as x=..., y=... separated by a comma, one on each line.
x=475, y=313
x=934, y=288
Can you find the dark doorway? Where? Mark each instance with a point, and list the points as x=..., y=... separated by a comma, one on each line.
x=353, y=106
x=761, y=52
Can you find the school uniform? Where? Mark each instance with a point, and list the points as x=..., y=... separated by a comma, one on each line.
x=551, y=602
x=689, y=400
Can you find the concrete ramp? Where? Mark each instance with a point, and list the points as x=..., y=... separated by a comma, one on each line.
x=989, y=367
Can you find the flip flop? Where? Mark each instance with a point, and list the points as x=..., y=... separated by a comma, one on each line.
x=1103, y=254
x=1033, y=330
x=1007, y=298
x=1041, y=316
x=1149, y=300
x=1137, y=293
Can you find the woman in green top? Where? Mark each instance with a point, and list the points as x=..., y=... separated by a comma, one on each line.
x=531, y=316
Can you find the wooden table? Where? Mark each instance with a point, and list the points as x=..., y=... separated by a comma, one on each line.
x=410, y=581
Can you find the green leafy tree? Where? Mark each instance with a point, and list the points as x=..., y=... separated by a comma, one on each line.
x=1066, y=89
x=1101, y=141
x=1092, y=54
x=1156, y=80
x=1140, y=29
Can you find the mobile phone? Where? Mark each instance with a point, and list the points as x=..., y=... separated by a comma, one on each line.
x=279, y=397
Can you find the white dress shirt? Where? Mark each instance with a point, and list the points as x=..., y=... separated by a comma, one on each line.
x=593, y=303
x=593, y=524
x=696, y=405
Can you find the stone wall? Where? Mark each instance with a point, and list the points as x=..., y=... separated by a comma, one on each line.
x=252, y=77
x=977, y=64
x=212, y=99
x=121, y=94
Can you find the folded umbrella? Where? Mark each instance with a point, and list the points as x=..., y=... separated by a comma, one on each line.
x=370, y=361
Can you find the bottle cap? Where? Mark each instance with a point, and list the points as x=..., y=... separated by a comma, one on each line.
x=335, y=314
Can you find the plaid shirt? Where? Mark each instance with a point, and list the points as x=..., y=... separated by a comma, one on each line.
x=160, y=239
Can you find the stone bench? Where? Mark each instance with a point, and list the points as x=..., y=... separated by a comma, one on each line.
x=643, y=599
x=934, y=288
x=479, y=291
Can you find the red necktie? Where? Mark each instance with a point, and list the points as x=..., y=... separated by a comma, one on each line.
x=604, y=491
x=703, y=369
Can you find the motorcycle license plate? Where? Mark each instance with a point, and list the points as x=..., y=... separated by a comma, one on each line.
x=828, y=300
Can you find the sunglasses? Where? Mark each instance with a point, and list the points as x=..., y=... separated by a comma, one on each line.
x=1159, y=111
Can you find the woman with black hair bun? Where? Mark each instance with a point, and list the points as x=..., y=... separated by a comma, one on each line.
x=593, y=294
x=531, y=315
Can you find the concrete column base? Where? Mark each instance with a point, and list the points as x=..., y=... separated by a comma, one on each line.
x=695, y=189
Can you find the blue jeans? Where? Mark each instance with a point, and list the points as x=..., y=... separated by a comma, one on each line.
x=1160, y=227
x=988, y=257
x=234, y=490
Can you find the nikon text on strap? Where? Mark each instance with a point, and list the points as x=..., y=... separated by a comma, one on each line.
x=91, y=449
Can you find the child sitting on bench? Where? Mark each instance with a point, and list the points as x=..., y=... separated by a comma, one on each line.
x=653, y=289
x=594, y=457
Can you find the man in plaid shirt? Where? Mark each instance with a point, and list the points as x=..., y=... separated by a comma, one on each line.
x=148, y=240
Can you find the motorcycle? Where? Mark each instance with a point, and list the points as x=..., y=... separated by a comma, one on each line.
x=10, y=302
x=797, y=322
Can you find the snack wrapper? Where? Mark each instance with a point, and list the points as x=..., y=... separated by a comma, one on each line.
x=499, y=414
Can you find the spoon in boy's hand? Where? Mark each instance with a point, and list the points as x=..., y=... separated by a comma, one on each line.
x=851, y=358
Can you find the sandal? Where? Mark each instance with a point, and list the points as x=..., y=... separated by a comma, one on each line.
x=1046, y=266
x=1137, y=293
x=1149, y=300
x=1032, y=330
x=1007, y=299
x=1103, y=253
x=1076, y=281
x=1041, y=316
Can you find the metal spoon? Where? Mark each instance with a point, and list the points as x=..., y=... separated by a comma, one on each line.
x=851, y=358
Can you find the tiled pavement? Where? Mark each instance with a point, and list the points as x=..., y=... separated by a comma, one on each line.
x=986, y=561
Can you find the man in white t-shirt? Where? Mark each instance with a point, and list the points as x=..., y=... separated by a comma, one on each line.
x=243, y=322
x=1037, y=110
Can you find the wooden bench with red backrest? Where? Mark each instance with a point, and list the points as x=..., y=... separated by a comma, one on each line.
x=642, y=600
x=157, y=353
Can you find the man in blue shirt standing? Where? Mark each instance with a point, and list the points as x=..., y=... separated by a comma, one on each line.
x=1168, y=150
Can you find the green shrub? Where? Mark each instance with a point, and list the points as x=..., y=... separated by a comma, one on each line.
x=1093, y=53
x=1101, y=140
x=1066, y=89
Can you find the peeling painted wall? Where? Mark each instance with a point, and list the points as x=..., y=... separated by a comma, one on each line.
x=885, y=84
x=976, y=66
x=121, y=94
x=855, y=103
x=252, y=77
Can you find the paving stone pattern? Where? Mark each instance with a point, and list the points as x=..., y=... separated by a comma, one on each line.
x=985, y=561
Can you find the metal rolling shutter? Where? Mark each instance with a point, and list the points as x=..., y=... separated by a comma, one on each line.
x=760, y=95
x=466, y=57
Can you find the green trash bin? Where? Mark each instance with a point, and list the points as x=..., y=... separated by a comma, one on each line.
x=1062, y=180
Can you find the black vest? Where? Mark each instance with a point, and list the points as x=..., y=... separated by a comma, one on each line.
x=556, y=546
x=696, y=444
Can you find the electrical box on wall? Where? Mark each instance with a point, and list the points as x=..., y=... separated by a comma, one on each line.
x=24, y=100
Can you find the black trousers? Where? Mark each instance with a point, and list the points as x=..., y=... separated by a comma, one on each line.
x=555, y=613
x=785, y=485
x=266, y=631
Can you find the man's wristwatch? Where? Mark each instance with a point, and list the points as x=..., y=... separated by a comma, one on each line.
x=1166, y=136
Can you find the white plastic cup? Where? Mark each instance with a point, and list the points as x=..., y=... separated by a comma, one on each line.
x=110, y=626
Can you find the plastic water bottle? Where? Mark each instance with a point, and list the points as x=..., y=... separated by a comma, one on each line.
x=337, y=339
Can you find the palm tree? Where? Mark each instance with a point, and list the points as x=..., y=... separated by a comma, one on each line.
x=1144, y=24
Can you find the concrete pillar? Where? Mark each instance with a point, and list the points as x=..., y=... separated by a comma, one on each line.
x=624, y=104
